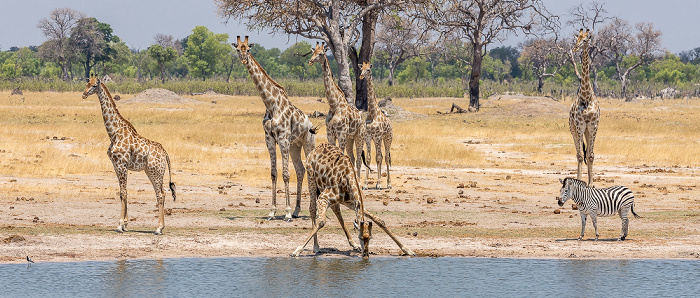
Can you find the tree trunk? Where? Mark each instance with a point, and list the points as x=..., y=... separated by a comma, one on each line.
x=540, y=83
x=87, y=66
x=474, y=77
x=390, y=80
x=369, y=23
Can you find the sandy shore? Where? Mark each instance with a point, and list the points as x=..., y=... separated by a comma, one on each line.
x=498, y=213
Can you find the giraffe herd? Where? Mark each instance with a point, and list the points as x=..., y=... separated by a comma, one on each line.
x=333, y=171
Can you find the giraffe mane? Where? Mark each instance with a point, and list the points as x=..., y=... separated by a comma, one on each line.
x=114, y=105
x=268, y=77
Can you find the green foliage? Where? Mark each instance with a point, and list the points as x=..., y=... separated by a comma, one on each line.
x=203, y=51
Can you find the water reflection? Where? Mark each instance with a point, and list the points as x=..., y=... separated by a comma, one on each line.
x=344, y=277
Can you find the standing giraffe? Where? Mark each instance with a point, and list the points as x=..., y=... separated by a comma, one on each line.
x=285, y=126
x=344, y=121
x=130, y=151
x=585, y=112
x=378, y=129
x=333, y=182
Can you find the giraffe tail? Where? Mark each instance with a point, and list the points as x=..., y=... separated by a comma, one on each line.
x=365, y=162
x=170, y=177
x=584, y=152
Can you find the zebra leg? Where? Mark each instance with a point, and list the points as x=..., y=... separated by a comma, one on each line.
x=583, y=225
x=594, y=219
x=625, y=225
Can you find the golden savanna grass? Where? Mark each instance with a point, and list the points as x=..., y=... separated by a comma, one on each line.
x=226, y=138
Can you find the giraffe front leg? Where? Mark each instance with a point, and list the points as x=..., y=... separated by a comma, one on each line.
x=295, y=152
x=368, y=156
x=336, y=210
x=577, y=134
x=122, y=174
x=382, y=225
x=590, y=134
x=313, y=196
x=270, y=141
x=378, y=147
x=284, y=150
x=322, y=205
x=387, y=150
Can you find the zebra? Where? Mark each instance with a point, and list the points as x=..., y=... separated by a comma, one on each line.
x=598, y=202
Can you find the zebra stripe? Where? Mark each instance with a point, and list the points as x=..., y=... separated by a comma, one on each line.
x=598, y=202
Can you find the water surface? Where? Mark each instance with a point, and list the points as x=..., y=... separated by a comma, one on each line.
x=353, y=277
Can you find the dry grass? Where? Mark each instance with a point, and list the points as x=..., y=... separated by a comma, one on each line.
x=226, y=138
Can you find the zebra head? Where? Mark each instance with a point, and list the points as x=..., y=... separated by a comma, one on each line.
x=565, y=191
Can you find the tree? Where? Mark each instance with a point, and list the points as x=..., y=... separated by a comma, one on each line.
x=334, y=21
x=543, y=57
x=399, y=38
x=203, y=51
x=57, y=28
x=641, y=47
x=482, y=22
x=691, y=56
x=298, y=65
x=162, y=56
x=92, y=40
x=509, y=54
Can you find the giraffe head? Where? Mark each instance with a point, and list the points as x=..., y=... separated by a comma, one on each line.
x=365, y=70
x=93, y=84
x=581, y=39
x=318, y=53
x=243, y=48
x=365, y=236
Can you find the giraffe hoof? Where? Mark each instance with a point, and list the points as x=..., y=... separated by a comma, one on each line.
x=288, y=219
x=157, y=233
x=270, y=218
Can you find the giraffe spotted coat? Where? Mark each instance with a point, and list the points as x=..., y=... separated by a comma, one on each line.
x=129, y=151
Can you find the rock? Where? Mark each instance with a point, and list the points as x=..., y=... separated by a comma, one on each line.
x=557, y=211
x=13, y=238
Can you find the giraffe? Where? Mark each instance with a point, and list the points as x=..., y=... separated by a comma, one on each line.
x=130, y=151
x=333, y=182
x=585, y=112
x=344, y=121
x=378, y=129
x=285, y=126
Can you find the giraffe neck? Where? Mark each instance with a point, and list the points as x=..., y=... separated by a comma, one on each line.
x=114, y=122
x=372, y=105
x=272, y=93
x=586, y=92
x=333, y=93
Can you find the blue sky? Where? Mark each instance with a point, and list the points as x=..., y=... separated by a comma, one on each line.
x=138, y=21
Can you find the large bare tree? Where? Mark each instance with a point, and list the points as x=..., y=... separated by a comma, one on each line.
x=57, y=28
x=642, y=44
x=340, y=24
x=399, y=37
x=482, y=22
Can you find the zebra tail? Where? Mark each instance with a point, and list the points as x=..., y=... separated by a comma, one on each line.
x=170, y=177
x=635, y=214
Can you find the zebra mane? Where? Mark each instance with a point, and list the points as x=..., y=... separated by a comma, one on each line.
x=575, y=182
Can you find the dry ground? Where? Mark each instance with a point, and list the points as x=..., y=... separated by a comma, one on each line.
x=480, y=185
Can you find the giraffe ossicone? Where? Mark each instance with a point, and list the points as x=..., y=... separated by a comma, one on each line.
x=129, y=151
